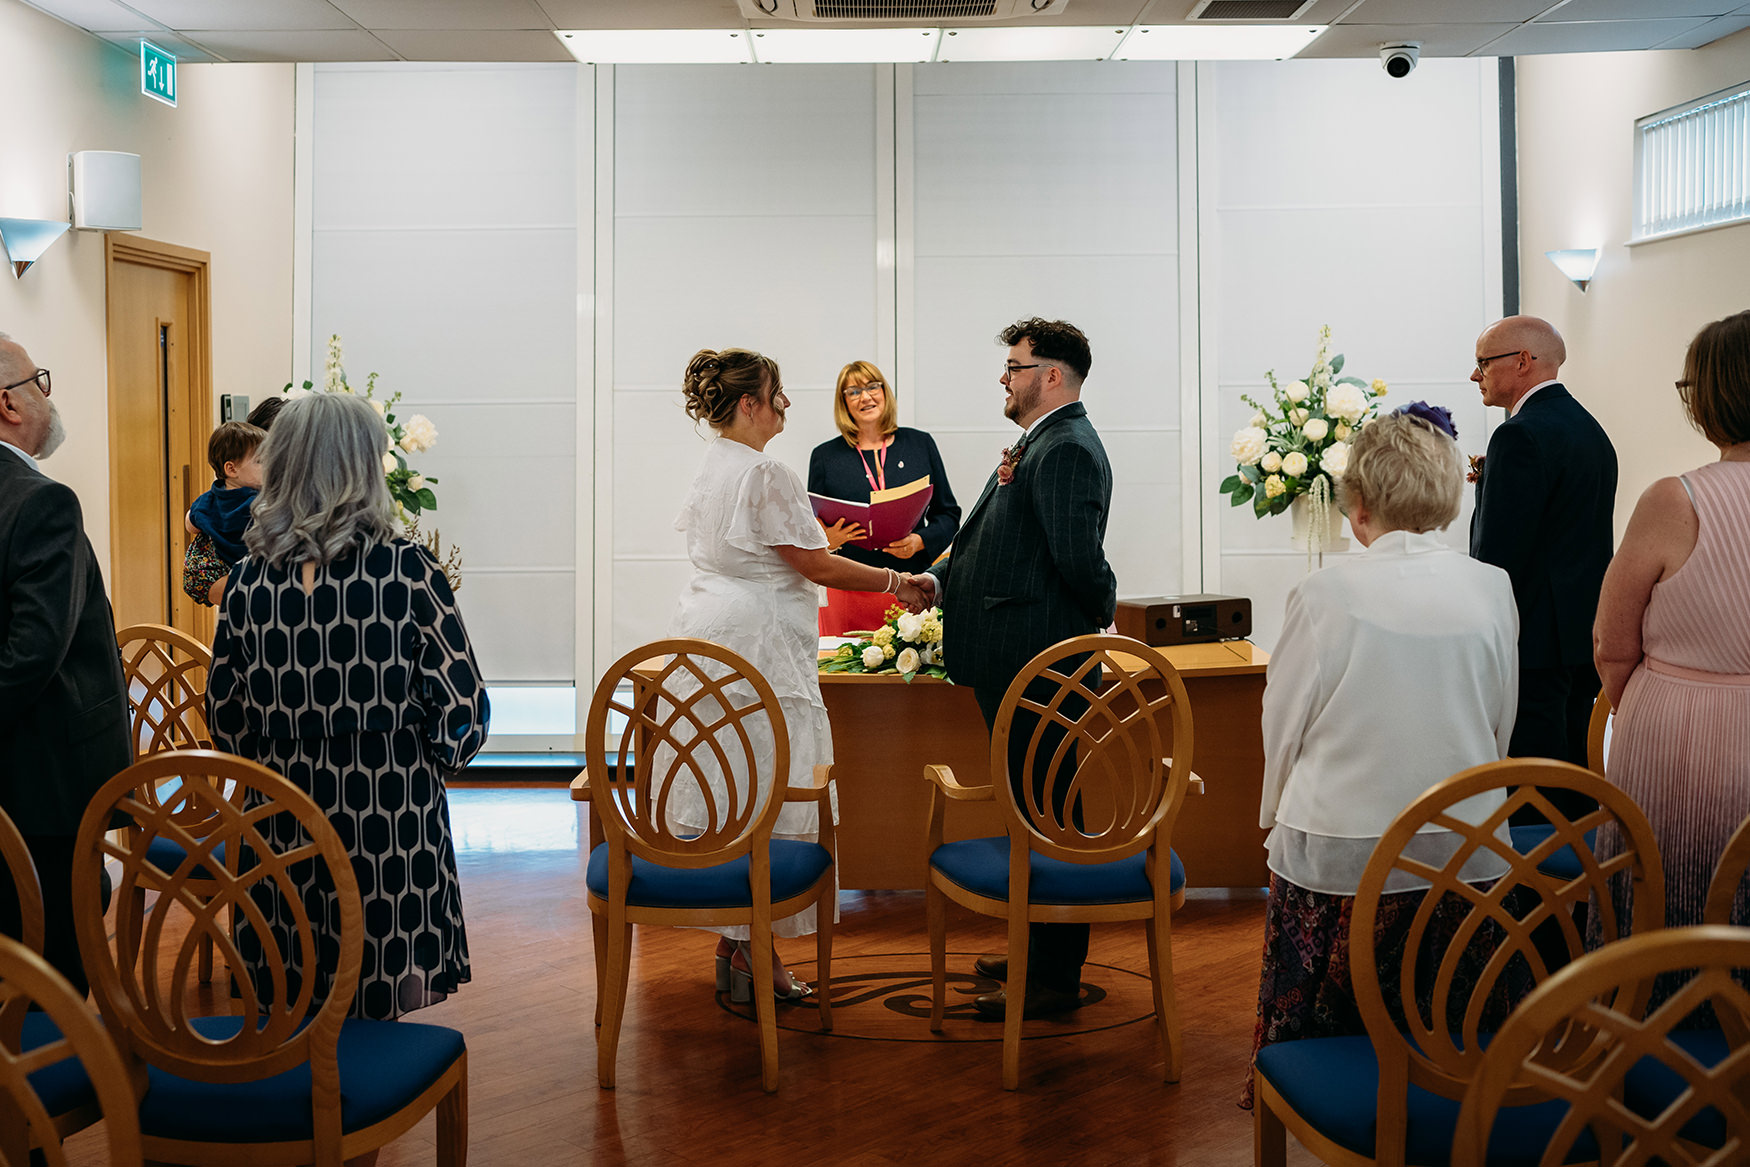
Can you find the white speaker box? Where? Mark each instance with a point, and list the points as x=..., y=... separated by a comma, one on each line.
x=105, y=188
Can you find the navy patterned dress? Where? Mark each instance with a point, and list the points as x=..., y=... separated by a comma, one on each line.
x=362, y=693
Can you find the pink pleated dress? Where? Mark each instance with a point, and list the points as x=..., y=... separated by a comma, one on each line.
x=1681, y=743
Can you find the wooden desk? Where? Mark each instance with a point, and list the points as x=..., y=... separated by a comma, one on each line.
x=884, y=732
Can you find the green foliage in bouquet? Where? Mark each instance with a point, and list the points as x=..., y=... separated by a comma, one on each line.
x=906, y=644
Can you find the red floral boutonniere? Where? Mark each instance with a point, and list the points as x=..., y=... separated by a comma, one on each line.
x=1476, y=468
x=1006, y=468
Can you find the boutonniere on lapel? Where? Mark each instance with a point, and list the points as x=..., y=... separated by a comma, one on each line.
x=1006, y=468
x=1476, y=468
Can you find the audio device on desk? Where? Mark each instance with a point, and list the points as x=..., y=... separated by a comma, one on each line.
x=1162, y=620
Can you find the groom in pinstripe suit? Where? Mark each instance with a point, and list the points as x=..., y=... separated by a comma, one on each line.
x=1029, y=569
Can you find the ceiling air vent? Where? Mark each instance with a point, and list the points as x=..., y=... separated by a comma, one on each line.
x=1250, y=11
x=896, y=11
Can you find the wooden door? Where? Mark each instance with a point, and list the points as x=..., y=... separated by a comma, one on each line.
x=160, y=415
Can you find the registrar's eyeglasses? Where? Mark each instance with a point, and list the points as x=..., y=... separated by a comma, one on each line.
x=41, y=377
x=855, y=392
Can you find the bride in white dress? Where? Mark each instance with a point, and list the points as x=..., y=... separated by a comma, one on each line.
x=757, y=554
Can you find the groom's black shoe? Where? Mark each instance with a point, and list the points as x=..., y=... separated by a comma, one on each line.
x=1040, y=1002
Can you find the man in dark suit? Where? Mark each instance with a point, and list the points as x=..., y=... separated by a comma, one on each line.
x=1027, y=570
x=63, y=703
x=1545, y=494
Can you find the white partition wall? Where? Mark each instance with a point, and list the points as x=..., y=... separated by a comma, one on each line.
x=1052, y=191
x=1336, y=195
x=744, y=215
x=445, y=220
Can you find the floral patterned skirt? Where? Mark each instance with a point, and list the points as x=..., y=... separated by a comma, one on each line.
x=1307, y=986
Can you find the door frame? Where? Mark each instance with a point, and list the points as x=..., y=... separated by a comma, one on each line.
x=142, y=252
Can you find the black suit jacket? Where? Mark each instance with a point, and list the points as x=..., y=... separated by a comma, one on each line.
x=1544, y=511
x=1028, y=568
x=63, y=703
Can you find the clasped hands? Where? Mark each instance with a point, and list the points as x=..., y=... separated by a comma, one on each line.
x=916, y=591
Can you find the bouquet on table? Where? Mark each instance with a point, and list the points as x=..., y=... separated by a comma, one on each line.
x=1298, y=443
x=906, y=644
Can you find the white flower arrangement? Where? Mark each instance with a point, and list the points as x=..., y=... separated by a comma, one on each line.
x=1298, y=443
x=906, y=644
x=411, y=490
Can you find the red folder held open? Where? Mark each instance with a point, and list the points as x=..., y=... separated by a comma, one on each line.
x=888, y=516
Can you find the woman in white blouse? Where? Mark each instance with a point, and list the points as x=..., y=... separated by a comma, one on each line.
x=1396, y=669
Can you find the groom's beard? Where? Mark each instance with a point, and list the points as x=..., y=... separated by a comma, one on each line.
x=56, y=435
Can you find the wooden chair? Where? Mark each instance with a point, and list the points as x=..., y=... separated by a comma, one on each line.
x=1562, y=862
x=1722, y=890
x=166, y=672
x=1631, y=1087
x=74, y=1056
x=1131, y=743
x=697, y=716
x=286, y=1077
x=1391, y=1096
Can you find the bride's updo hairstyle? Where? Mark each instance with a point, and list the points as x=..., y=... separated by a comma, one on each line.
x=716, y=382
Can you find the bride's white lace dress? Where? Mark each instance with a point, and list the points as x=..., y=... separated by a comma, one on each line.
x=742, y=504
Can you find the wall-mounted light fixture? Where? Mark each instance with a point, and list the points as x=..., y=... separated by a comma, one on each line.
x=1577, y=264
x=24, y=240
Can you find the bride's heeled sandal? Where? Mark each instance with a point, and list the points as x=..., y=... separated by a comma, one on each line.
x=738, y=981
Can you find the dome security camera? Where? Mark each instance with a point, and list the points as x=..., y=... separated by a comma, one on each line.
x=1399, y=60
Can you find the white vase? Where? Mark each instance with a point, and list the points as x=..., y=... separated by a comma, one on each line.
x=1300, y=510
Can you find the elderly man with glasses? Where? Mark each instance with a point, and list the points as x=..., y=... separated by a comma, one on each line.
x=63, y=703
x=1545, y=496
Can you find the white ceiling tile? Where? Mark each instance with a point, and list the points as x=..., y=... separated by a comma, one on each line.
x=243, y=14
x=445, y=14
x=184, y=52
x=644, y=14
x=1453, y=11
x=93, y=15
x=312, y=45
x=1710, y=32
x=1577, y=10
x=1601, y=36
x=475, y=45
x=1442, y=40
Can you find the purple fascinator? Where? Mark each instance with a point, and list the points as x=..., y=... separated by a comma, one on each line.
x=1437, y=416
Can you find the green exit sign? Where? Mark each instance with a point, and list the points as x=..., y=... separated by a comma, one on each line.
x=157, y=73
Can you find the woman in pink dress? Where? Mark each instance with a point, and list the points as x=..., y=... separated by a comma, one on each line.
x=1672, y=639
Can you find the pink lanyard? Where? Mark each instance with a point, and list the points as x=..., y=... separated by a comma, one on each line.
x=880, y=467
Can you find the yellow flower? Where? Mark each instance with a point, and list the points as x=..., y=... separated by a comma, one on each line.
x=1274, y=486
x=883, y=636
x=1378, y=387
x=888, y=652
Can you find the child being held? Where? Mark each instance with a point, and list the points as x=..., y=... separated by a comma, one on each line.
x=222, y=513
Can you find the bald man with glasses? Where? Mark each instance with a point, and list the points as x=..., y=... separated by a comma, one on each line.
x=1546, y=493
x=63, y=703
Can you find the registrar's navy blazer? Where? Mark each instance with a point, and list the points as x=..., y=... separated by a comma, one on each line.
x=1028, y=568
x=1544, y=512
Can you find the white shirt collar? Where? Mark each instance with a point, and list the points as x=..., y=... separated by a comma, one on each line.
x=28, y=460
x=1040, y=420
x=1403, y=542
x=1520, y=404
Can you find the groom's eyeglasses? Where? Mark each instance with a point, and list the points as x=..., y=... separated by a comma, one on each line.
x=41, y=377
x=1009, y=370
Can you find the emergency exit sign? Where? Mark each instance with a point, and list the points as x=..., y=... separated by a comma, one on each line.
x=157, y=73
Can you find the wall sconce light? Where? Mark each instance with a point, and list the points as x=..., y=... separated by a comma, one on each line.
x=24, y=240
x=1577, y=264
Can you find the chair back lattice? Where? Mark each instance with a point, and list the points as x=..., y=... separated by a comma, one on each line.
x=166, y=673
x=25, y=885
x=1099, y=730
x=27, y=981
x=698, y=720
x=1598, y=733
x=1727, y=886
x=1472, y=950
x=284, y=974
x=1598, y=997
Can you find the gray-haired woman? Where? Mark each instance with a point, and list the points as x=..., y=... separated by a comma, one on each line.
x=341, y=662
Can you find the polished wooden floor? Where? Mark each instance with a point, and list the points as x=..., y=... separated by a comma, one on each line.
x=877, y=1092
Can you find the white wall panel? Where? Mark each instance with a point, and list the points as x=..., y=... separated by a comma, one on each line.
x=522, y=623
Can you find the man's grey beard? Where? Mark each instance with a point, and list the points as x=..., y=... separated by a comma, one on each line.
x=56, y=435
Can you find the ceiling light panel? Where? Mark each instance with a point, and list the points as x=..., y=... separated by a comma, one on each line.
x=1172, y=42
x=1029, y=44
x=657, y=46
x=792, y=46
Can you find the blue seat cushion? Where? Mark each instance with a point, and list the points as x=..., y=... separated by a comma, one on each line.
x=1333, y=1083
x=64, y=1085
x=796, y=867
x=383, y=1066
x=1563, y=864
x=981, y=866
x=167, y=855
x=1651, y=1085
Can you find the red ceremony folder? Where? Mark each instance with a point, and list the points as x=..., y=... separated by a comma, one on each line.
x=887, y=517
